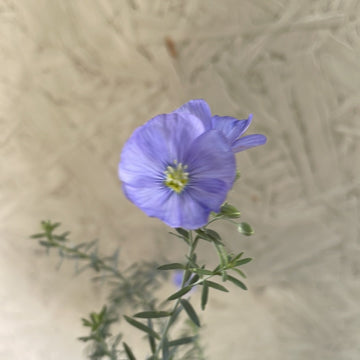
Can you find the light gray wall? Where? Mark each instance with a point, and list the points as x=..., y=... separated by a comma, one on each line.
x=77, y=77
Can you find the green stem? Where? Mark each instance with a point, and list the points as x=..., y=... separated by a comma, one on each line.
x=192, y=246
x=100, y=263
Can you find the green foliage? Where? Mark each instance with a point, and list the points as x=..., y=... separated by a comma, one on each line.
x=152, y=314
x=131, y=287
x=134, y=287
x=128, y=351
x=142, y=327
x=190, y=311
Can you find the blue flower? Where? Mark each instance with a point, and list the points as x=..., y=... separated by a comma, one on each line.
x=179, y=166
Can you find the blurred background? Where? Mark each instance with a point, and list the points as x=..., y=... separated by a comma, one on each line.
x=77, y=77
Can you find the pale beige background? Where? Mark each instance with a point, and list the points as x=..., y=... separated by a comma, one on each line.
x=77, y=77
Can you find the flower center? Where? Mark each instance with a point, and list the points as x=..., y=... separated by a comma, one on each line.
x=176, y=177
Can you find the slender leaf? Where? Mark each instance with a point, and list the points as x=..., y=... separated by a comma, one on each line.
x=37, y=236
x=222, y=254
x=224, y=275
x=142, y=327
x=86, y=322
x=151, y=338
x=190, y=311
x=46, y=243
x=128, y=351
x=180, y=237
x=187, y=276
x=213, y=235
x=194, y=279
x=237, y=282
x=237, y=257
x=152, y=314
x=182, y=341
x=173, y=266
x=204, y=295
x=239, y=272
x=209, y=235
x=182, y=232
x=180, y=293
x=216, y=286
x=203, y=271
x=242, y=261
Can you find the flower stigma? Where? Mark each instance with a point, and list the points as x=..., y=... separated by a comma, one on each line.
x=176, y=177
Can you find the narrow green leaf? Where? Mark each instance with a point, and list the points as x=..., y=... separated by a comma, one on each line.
x=209, y=235
x=46, y=243
x=216, y=270
x=204, y=295
x=128, y=351
x=216, y=286
x=187, y=276
x=182, y=341
x=202, y=235
x=239, y=272
x=86, y=322
x=245, y=229
x=224, y=275
x=49, y=227
x=213, y=235
x=152, y=314
x=180, y=237
x=151, y=338
x=222, y=254
x=237, y=257
x=37, y=236
x=202, y=271
x=182, y=232
x=194, y=279
x=237, y=282
x=85, y=338
x=141, y=327
x=180, y=293
x=190, y=311
x=102, y=312
x=242, y=261
x=172, y=266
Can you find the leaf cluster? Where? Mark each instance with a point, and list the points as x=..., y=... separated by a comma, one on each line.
x=135, y=286
x=194, y=275
x=130, y=287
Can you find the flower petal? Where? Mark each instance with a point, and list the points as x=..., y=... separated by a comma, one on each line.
x=151, y=199
x=175, y=210
x=155, y=145
x=210, y=157
x=184, y=211
x=249, y=141
x=199, y=108
x=209, y=193
x=231, y=127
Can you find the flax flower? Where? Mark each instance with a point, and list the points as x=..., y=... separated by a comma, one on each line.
x=179, y=166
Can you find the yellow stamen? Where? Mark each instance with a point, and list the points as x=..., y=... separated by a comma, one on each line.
x=176, y=177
